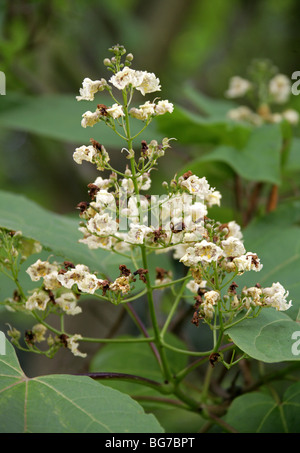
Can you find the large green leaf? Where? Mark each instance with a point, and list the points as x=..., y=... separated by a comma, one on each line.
x=260, y=413
x=268, y=337
x=293, y=162
x=57, y=233
x=65, y=404
x=216, y=108
x=258, y=160
x=192, y=128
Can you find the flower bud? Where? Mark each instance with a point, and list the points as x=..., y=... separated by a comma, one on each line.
x=14, y=333
x=106, y=62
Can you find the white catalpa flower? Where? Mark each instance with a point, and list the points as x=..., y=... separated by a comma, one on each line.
x=233, y=247
x=115, y=111
x=163, y=107
x=238, y=87
x=80, y=275
x=103, y=200
x=84, y=153
x=144, y=181
x=197, y=211
x=195, y=233
x=149, y=84
x=76, y=275
x=275, y=296
x=193, y=286
x=208, y=310
x=73, y=345
x=90, y=88
x=144, y=111
x=203, y=251
x=138, y=233
x=143, y=81
x=102, y=183
x=248, y=262
x=213, y=198
x=90, y=118
x=244, y=113
x=120, y=284
x=211, y=297
x=127, y=185
x=280, y=88
x=38, y=301
x=102, y=224
x=126, y=77
x=139, y=114
x=275, y=118
x=68, y=303
x=50, y=281
x=291, y=115
x=40, y=269
x=234, y=230
x=197, y=186
x=95, y=242
x=89, y=284
x=252, y=297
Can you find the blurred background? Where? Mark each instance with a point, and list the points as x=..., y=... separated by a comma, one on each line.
x=47, y=48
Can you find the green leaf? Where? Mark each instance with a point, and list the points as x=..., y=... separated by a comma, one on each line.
x=268, y=337
x=192, y=128
x=266, y=414
x=293, y=162
x=65, y=404
x=216, y=108
x=258, y=160
x=57, y=233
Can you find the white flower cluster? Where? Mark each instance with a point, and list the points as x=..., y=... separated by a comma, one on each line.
x=274, y=296
x=149, y=109
x=52, y=289
x=226, y=249
x=77, y=279
x=143, y=81
x=279, y=91
x=250, y=298
x=238, y=87
x=72, y=344
x=90, y=88
x=95, y=153
x=244, y=113
x=280, y=88
x=127, y=78
x=157, y=221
